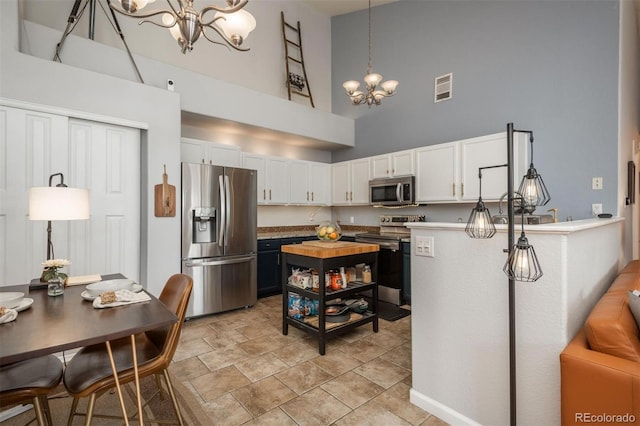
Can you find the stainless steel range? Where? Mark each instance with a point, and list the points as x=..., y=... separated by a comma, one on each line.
x=392, y=232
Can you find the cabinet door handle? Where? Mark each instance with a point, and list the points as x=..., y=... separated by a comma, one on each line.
x=312, y=196
x=278, y=262
x=346, y=196
x=462, y=189
x=454, y=189
x=307, y=195
x=351, y=196
x=269, y=195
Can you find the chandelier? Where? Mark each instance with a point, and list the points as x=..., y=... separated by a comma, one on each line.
x=186, y=24
x=372, y=80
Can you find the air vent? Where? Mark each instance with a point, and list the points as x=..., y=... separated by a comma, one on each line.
x=443, y=88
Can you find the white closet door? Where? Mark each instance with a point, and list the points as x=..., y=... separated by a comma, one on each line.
x=33, y=146
x=103, y=158
x=106, y=160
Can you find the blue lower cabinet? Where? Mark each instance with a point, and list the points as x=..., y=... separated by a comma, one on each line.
x=269, y=274
x=406, y=272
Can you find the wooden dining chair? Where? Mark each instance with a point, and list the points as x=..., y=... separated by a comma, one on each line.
x=89, y=372
x=29, y=382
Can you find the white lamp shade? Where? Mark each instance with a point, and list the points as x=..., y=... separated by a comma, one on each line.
x=389, y=86
x=167, y=19
x=58, y=203
x=378, y=94
x=235, y=24
x=372, y=79
x=350, y=86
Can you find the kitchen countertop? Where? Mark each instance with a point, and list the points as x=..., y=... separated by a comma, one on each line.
x=324, y=249
x=268, y=232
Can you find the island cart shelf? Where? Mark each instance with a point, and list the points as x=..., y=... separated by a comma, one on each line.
x=323, y=257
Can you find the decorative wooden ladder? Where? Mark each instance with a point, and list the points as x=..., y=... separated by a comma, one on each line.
x=296, y=84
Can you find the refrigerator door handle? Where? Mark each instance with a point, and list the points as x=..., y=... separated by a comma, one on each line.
x=220, y=262
x=227, y=186
x=223, y=218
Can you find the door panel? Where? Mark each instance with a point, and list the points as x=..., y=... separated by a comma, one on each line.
x=105, y=159
x=239, y=284
x=242, y=216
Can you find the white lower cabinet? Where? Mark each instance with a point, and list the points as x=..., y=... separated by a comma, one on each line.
x=449, y=172
x=350, y=182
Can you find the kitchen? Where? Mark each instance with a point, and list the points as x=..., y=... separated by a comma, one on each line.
x=35, y=80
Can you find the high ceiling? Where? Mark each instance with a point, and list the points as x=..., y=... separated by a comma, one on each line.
x=340, y=7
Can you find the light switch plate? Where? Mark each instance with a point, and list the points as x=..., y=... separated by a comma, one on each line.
x=424, y=246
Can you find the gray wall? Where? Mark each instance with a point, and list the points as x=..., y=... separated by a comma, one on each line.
x=547, y=66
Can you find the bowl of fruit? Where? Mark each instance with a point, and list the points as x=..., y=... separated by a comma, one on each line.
x=328, y=231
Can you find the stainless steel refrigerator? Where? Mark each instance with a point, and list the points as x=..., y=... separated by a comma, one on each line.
x=219, y=242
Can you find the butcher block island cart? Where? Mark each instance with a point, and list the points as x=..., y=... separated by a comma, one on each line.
x=323, y=257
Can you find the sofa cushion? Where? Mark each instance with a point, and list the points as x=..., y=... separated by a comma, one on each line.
x=634, y=305
x=612, y=329
x=625, y=282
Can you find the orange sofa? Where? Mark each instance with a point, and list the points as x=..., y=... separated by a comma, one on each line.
x=600, y=367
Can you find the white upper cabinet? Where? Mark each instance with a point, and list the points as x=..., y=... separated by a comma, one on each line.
x=449, y=172
x=399, y=163
x=273, y=177
x=437, y=173
x=350, y=182
x=487, y=151
x=309, y=182
x=197, y=151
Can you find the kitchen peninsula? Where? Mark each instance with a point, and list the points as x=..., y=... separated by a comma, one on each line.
x=323, y=257
x=460, y=341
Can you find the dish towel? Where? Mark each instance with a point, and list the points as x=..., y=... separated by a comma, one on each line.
x=119, y=298
x=7, y=315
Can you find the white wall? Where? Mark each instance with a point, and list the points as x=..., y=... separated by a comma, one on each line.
x=261, y=69
x=34, y=80
x=460, y=337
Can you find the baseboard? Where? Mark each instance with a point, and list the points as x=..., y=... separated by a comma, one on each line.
x=14, y=411
x=439, y=410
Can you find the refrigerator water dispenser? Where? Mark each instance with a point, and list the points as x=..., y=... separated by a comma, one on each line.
x=203, y=225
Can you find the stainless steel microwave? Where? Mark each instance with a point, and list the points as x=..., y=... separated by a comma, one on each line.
x=395, y=191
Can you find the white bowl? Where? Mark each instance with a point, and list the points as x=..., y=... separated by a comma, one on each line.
x=11, y=299
x=96, y=289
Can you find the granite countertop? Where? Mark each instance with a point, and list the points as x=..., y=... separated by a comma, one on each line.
x=266, y=232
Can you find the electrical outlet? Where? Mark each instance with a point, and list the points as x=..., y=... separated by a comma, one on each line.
x=424, y=246
x=352, y=219
x=596, y=209
x=596, y=183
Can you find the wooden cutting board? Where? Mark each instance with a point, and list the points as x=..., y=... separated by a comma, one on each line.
x=326, y=249
x=165, y=197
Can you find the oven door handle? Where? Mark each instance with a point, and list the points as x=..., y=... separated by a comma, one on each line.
x=388, y=245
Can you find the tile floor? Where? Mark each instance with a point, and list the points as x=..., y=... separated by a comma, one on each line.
x=245, y=372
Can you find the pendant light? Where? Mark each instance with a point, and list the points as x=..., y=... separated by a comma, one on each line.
x=374, y=95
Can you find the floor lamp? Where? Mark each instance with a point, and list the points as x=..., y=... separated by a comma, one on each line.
x=522, y=263
x=57, y=203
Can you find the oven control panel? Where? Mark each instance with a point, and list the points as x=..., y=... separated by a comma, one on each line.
x=390, y=220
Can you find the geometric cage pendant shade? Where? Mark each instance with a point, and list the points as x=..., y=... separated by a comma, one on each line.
x=522, y=263
x=533, y=190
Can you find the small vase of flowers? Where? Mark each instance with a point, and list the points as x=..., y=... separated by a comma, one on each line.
x=53, y=276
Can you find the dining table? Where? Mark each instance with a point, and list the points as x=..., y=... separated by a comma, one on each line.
x=54, y=324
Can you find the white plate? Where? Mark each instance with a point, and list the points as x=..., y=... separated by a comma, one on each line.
x=11, y=299
x=109, y=285
x=25, y=304
x=86, y=296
